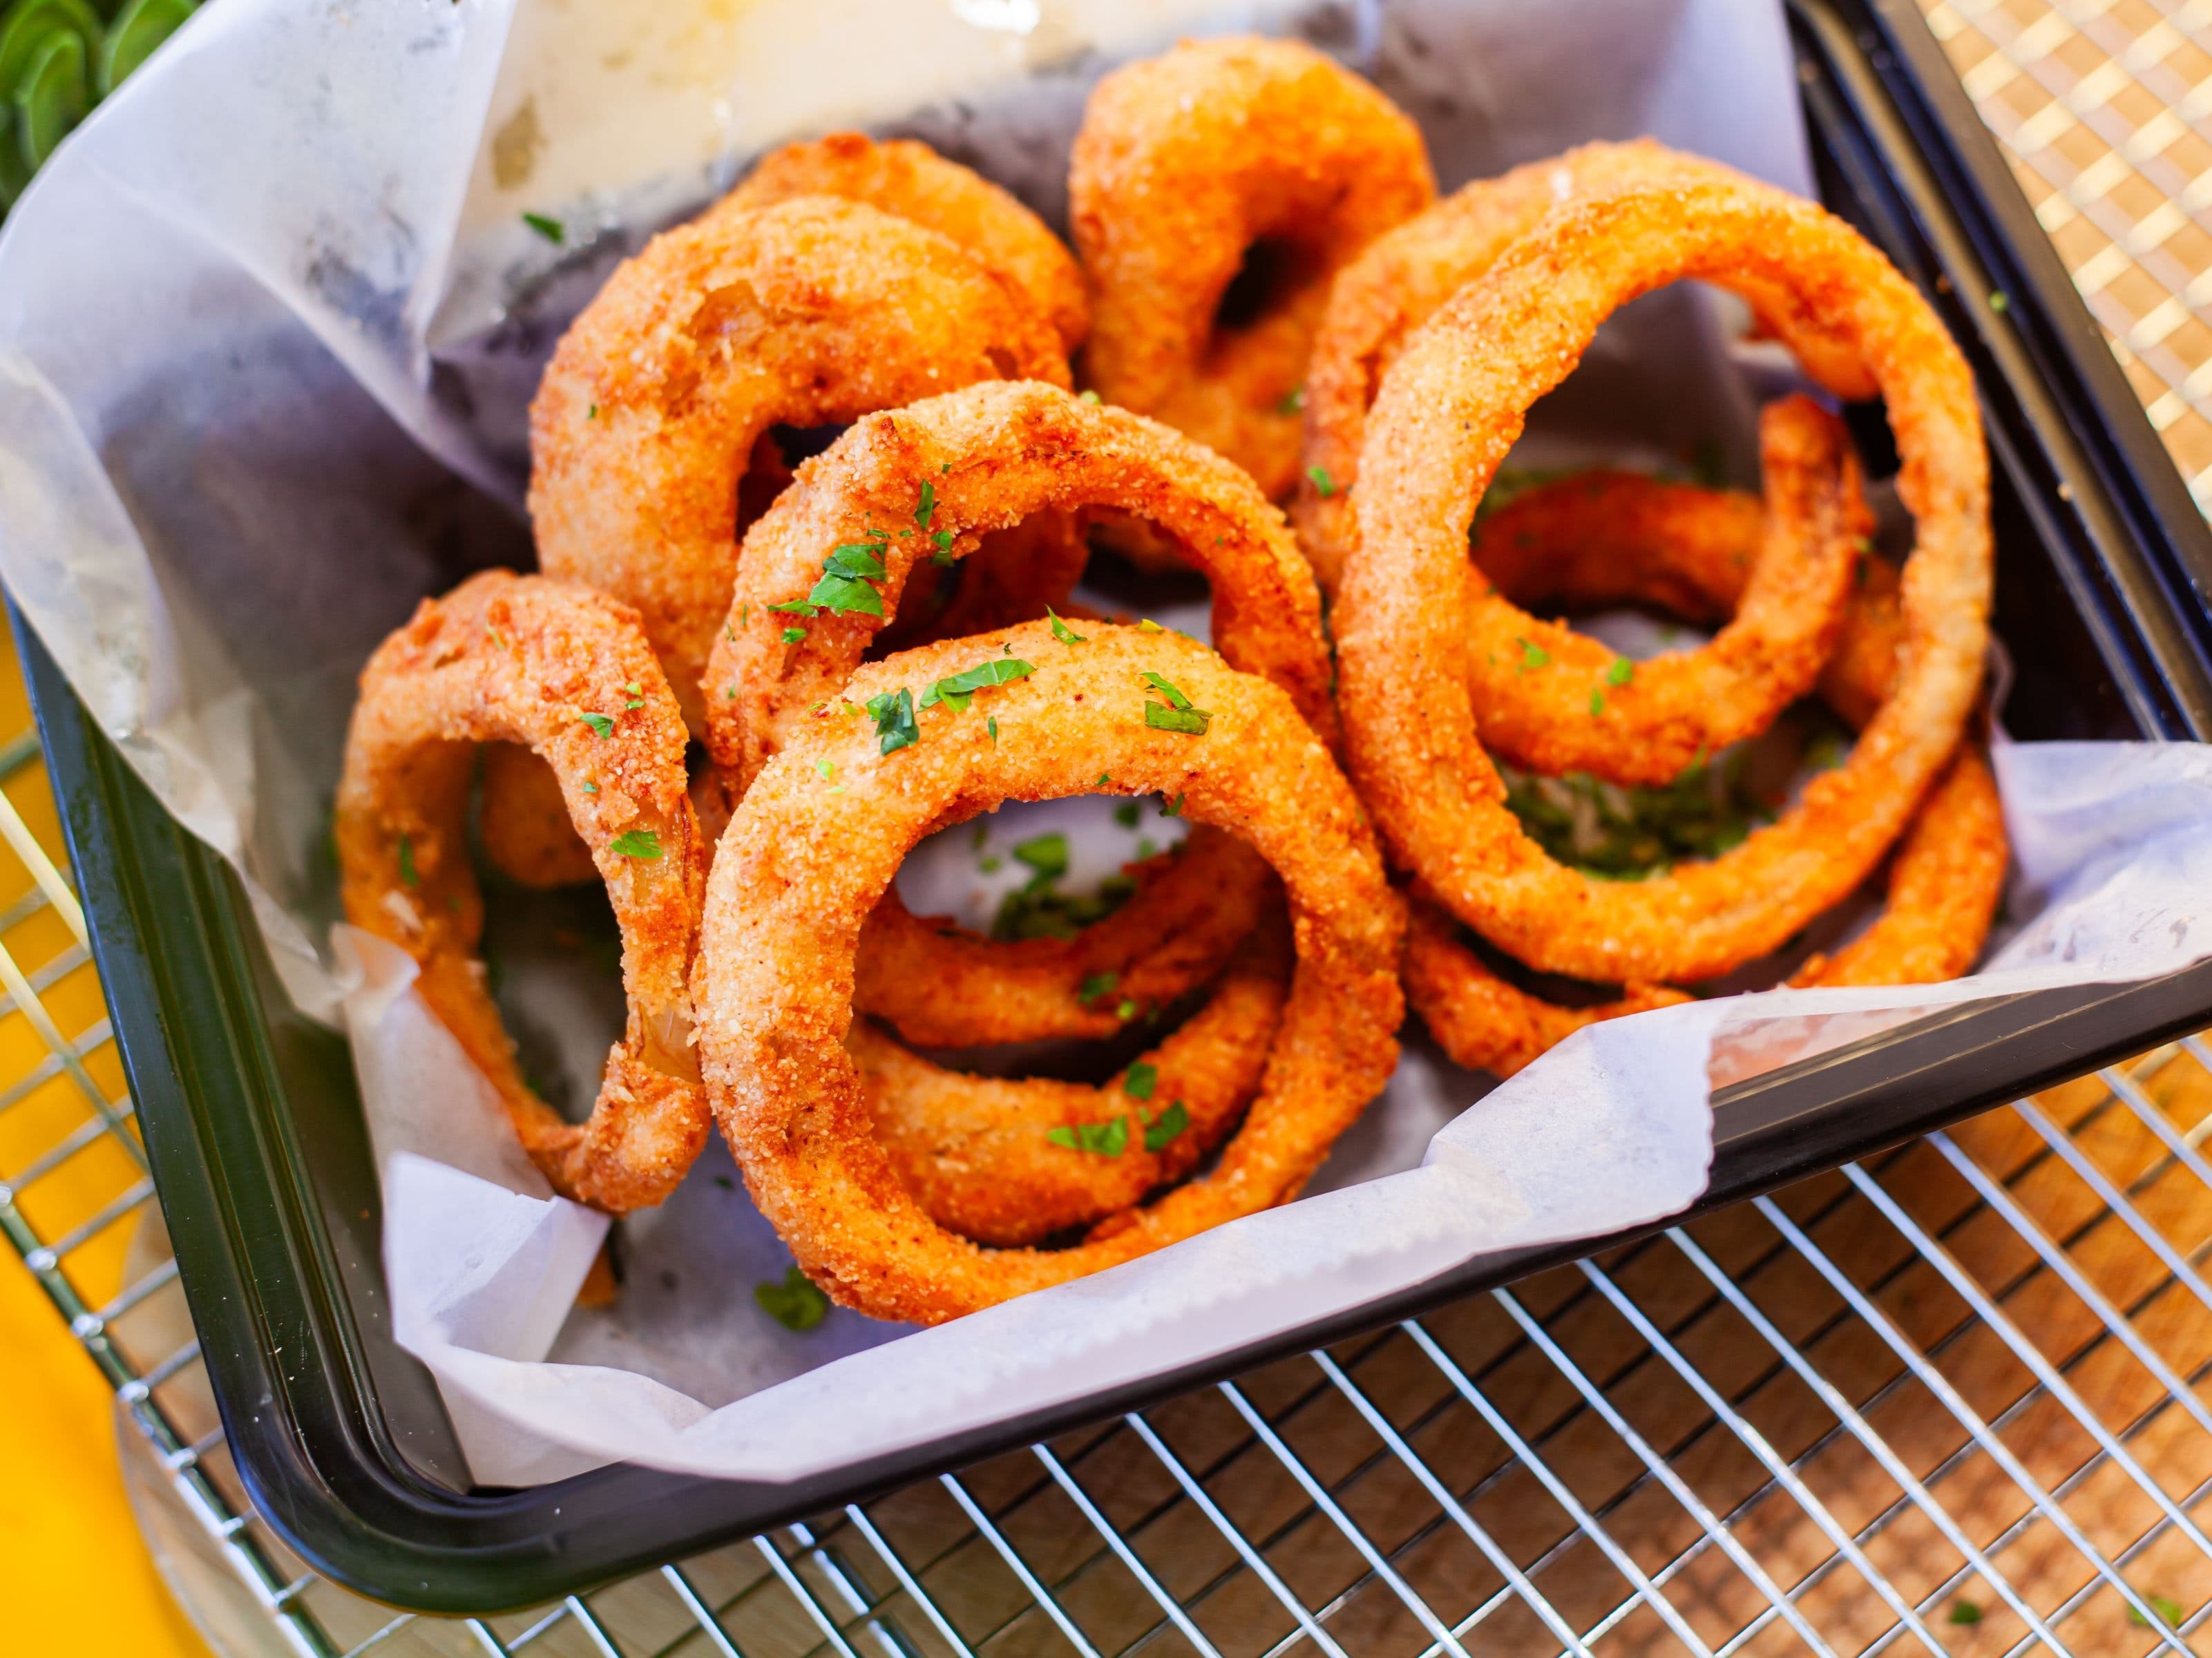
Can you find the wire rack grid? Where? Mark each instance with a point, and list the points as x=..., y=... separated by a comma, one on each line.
x=1944, y=1401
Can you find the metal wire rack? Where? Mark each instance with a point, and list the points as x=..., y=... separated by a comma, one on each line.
x=1944, y=1401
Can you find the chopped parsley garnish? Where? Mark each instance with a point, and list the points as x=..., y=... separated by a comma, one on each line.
x=589, y=788
x=1086, y=396
x=2001, y=302
x=926, y=506
x=2164, y=1605
x=1173, y=808
x=1620, y=672
x=991, y=725
x=551, y=229
x=1141, y=1079
x=955, y=692
x=1146, y=625
x=408, y=875
x=825, y=768
x=1963, y=1612
x=1045, y=853
x=1597, y=705
x=791, y=636
x=1103, y=1140
x=1062, y=631
x=1162, y=1131
x=795, y=1303
x=1125, y=1009
x=1293, y=402
x=1178, y=714
x=1321, y=481
x=1126, y=814
x=1531, y=657
x=1104, y=778
x=642, y=844
x=894, y=715
x=602, y=725
x=1096, y=986
x=591, y=413
x=1175, y=698
x=845, y=575
x=943, y=556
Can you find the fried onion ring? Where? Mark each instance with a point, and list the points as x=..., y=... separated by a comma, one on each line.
x=1406, y=275
x=1553, y=701
x=800, y=868
x=907, y=177
x=981, y=459
x=568, y=672
x=1481, y=1020
x=1475, y=369
x=975, y=1152
x=522, y=822
x=943, y=986
x=809, y=313
x=1222, y=157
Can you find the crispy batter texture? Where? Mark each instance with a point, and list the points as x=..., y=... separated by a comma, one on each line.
x=514, y=658
x=1600, y=538
x=1484, y=1022
x=810, y=313
x=943, y=986
x=1405, y=277
x=1184, y=164
x=992, y=456
x=907, y=177
x=975, y=1151
x=800, y=868
x=1548, y=699
x=1450, y=409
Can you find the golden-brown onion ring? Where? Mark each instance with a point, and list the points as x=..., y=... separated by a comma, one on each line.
x=1451, y=408
x=975, y=1151
x=514, y=658
x=1185, y=165
x=943, y=986
x=800, y=868
x=980, y=459
x=522, y=822
x=1484, y=1022
x=1550, y=700
x=809, y=313
x=1405, y=275
x=908, y=179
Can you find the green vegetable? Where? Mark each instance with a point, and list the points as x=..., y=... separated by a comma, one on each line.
x=894, y=716
x=1532, y=656
x=1062, y=631
x=795, y=1303
x=1192, y=722
x=1045, y=853
x=1126, y=814
x=791, y=636
x=1140, y=1080
x=1620, y=672
x=858, y=558
x=1964, y=1611
x=408, y=878
x=642, y=844
x=1103, y=1139
x=1161, y=1133
x=131, y=39
x=602, y=725
x=1293, y=402
x=1096, y=986
x=955, y=692
x=1321, y=481
x=551, y=229
x=2166, y=1606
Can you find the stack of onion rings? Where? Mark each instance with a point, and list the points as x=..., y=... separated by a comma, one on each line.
x=799, y=869
x=568, y=674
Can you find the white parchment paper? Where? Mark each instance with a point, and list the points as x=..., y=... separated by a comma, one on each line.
x=268, y=326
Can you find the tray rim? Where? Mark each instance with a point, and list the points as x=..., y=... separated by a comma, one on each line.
x=311, y=1446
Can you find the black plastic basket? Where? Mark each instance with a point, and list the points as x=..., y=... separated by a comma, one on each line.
x=251, y=1120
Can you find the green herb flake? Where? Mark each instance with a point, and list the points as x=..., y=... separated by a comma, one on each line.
x=550, y=229
x=1140, y=1080
x=1095, y=986
x=1148, y=626
x=602, y=725
x=1962, y=1612
x=956, y=692
x=1101, y=1140
x=1062, y=631
x=1087, y=396
x=791, y=636
x=795, y=1303
x=2001, y=302
x=1163, y=1131
x=1124, y=1010
x=1191, y=722
x=1293, y=402
x=1620, y=672
x=825, y=768
x=1126, y=814
x=591, y=413
x=643, y=845
x=409, y=877
x=943, y=556
x=2169, y=1609
x=925, y=505
x=1597, y=705
x=1047, y=855
x=1322, y=481
x=589, y=788
x=1104, y=778
x=1173, y=808
x=895, y=723
x=846, y=595
x=991, y=725
x=1531, y=657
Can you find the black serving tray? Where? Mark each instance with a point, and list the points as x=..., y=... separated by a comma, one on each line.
x=252, y=1124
